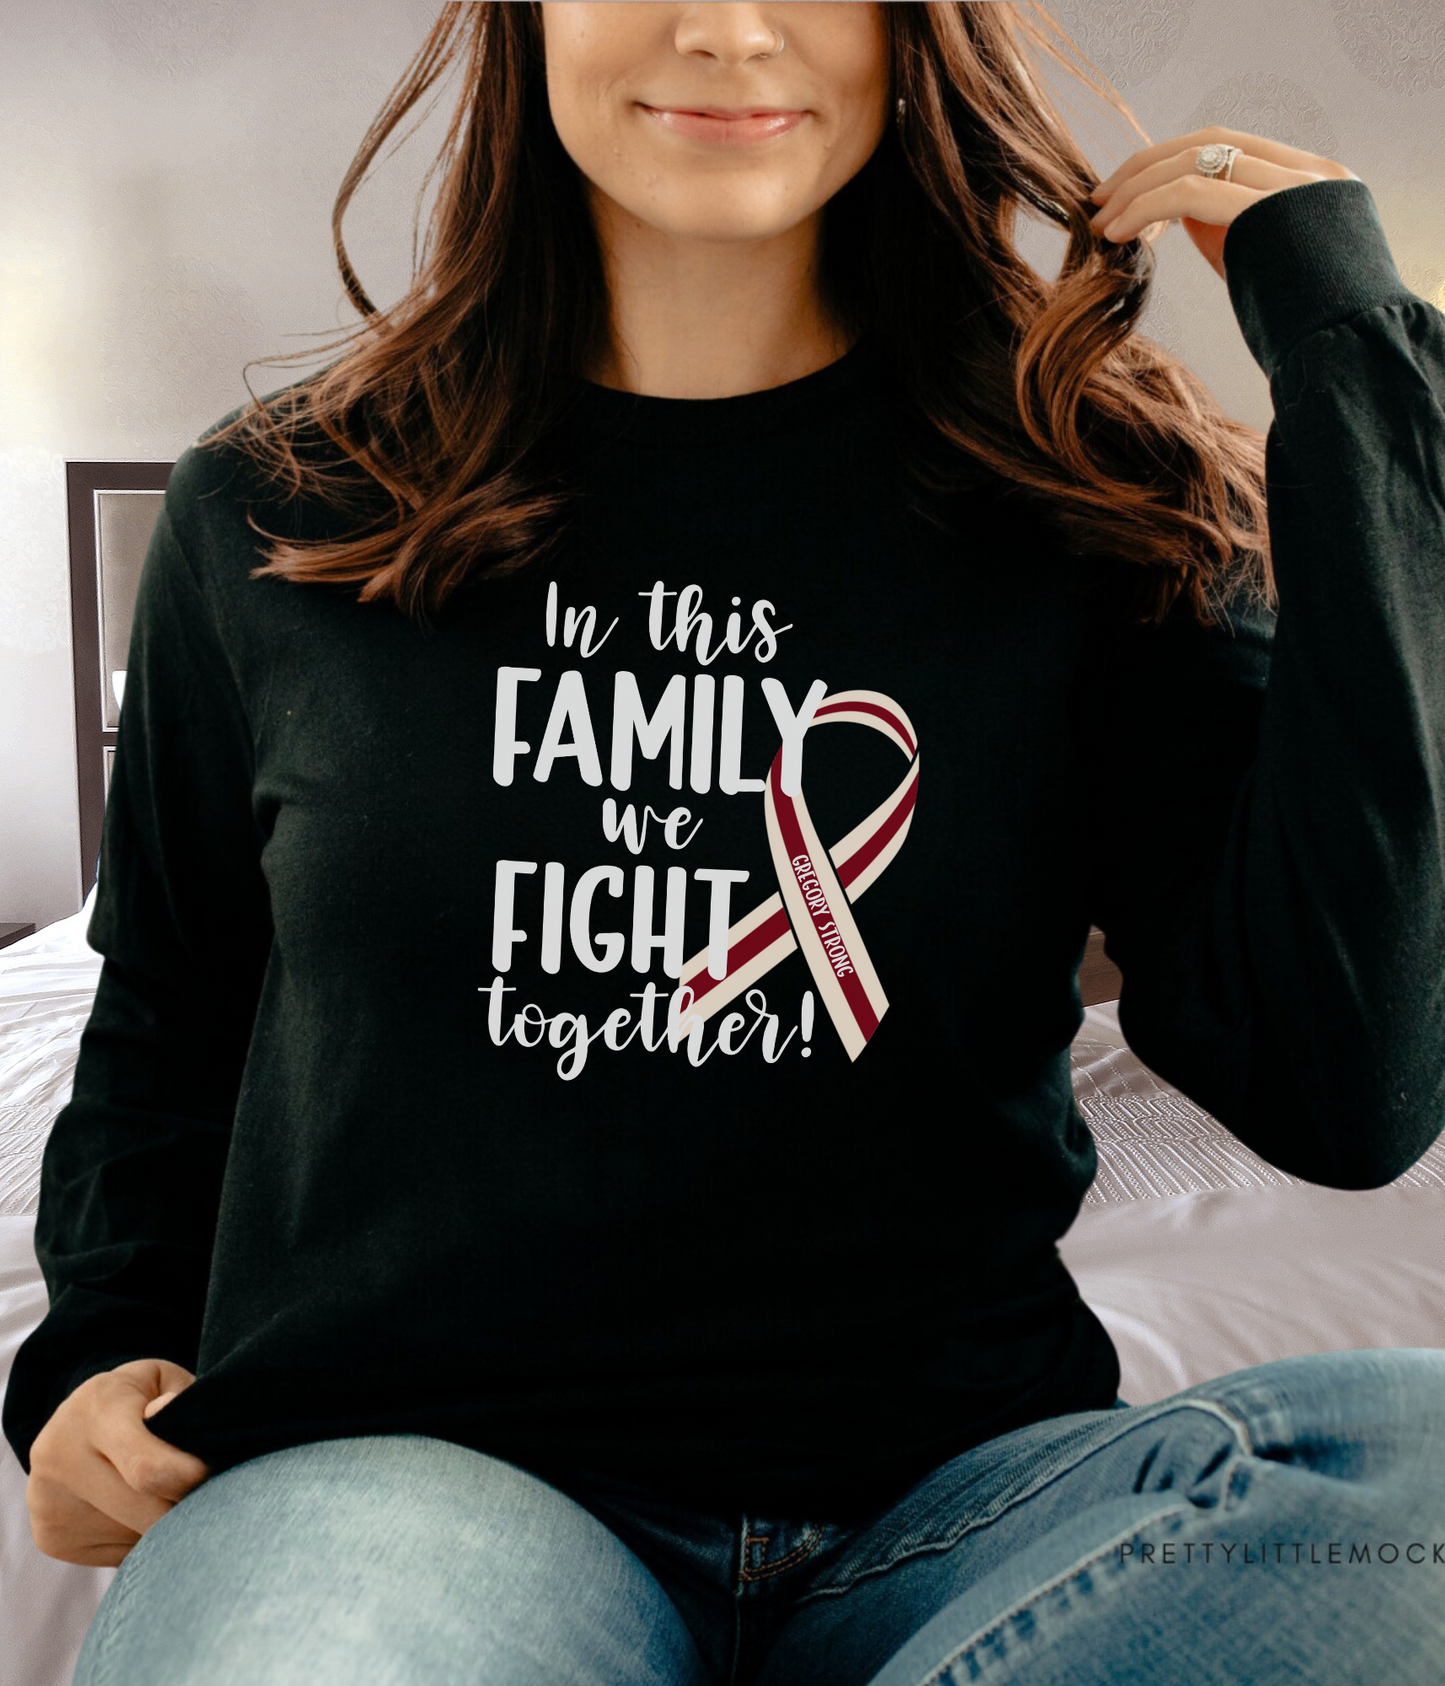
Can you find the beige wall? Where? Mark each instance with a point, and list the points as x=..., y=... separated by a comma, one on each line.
x=169, y=167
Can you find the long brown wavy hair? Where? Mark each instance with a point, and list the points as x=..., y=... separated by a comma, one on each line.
x=441, y=408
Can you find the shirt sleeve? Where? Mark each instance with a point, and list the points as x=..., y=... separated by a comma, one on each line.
x=1267, y=860
x=132, y=1168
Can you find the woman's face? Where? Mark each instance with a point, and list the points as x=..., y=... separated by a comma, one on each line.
x=624, y=75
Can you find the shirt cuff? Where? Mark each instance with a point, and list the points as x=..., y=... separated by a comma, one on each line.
x=1303, y=259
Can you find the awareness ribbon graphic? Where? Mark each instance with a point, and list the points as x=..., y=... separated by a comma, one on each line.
x=811, y=901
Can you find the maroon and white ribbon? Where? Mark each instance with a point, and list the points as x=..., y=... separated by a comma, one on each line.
x=811, y=908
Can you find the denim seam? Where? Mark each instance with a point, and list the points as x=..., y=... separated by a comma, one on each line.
x=737, y=1647
x=946, y=1542
x=1093, y=1555
x=773, y=1566
x=117, y=1616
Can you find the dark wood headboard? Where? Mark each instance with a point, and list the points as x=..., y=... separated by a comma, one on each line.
x=1099, y=978
x=113, y=507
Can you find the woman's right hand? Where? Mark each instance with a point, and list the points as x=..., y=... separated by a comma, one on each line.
x=98, y=1476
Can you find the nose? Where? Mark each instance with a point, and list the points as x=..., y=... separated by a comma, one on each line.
x=731, y=31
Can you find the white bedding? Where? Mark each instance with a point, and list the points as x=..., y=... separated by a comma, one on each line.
x=47, y=983
x=1198, y=1257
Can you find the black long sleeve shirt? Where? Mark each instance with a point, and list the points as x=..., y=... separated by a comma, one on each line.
x=392, y=1113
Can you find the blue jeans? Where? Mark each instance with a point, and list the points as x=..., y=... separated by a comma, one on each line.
x=1282, y=1523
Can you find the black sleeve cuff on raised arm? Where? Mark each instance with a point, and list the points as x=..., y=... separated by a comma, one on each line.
x=1303, y=259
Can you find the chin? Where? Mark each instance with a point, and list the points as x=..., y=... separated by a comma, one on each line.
x=712, y=224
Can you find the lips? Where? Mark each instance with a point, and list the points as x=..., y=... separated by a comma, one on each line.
x=724, y=111
x=716, y=123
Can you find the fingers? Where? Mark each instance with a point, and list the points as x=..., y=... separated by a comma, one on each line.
x=1174, y=188
x=148, y=1465
x=156, y=1374
x=67, y=1527
x=99, y=1477
x=1213, y=202
x=1257, y=146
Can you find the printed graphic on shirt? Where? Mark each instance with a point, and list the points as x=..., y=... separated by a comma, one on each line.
x=811, y=908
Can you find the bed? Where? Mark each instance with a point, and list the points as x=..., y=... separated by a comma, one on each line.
x=1198, y=1257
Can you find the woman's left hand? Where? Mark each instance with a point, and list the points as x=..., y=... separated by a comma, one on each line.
x=1159, y=183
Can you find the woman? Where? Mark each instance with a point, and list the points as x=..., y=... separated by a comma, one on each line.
x=565, y=1163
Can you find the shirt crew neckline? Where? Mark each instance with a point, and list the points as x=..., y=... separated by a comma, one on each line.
x=645, y=418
